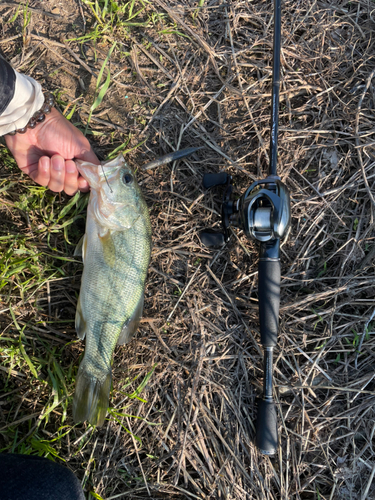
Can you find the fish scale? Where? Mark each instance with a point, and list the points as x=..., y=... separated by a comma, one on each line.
x=117, y=291
x=113, y=280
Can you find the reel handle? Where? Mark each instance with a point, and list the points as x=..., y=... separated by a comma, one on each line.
x=212, y=180
x=212, y=239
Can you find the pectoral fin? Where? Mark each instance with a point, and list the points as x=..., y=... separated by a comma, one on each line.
x=131, y=325
x=109, y=250
x=80, y=249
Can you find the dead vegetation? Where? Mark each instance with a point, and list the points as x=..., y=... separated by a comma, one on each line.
x=200, y=74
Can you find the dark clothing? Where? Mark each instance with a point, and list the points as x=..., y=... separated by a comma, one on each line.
x=26, y=477
x=7, y=84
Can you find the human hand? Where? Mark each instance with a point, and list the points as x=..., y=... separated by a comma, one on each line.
x=46, y=153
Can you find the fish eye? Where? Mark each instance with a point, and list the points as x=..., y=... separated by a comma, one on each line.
x=127, y=178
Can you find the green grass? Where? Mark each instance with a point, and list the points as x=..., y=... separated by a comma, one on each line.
x=114, y=18
x=30, y=256
x=39, y=351
x=101, y=89
x=36, y=244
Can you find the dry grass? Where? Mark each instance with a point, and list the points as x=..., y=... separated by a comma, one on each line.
x=202, y=76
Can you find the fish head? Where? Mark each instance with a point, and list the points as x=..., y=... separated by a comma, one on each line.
x=115, y=199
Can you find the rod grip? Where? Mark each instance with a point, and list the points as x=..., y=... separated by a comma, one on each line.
x=266, y=427
x=269, y=300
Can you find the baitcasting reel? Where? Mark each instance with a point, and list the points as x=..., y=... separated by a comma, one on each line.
x=263, y=211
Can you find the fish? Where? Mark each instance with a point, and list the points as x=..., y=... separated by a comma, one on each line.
x=116, y=250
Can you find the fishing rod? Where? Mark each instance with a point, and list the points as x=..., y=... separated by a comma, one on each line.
x=263, y=213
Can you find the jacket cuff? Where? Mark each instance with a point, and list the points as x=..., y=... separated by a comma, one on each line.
x=26, y=100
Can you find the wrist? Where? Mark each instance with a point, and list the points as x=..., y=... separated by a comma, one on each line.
x=39, y=116
x=27, y=98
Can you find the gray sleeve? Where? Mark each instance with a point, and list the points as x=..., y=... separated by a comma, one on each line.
x=20, y=97
x=7, y=84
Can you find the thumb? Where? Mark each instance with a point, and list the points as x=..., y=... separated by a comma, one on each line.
x=88, y=155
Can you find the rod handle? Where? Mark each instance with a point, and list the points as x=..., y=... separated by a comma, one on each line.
x=266, y=427
x=269, y=300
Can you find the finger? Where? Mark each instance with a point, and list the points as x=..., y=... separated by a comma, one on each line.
x=56, y=182
x=88, y=155
x=71, y=178
x=44, y=171
x=41, y=174
x=83, y=185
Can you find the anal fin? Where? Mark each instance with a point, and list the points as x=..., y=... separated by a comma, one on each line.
x=80, y=249
x=131, y=325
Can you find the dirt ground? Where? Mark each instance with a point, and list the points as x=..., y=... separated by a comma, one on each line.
x=184, y=74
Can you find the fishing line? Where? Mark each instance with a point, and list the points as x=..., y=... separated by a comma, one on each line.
x=105, y=177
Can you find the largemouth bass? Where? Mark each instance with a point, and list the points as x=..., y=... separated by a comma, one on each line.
x=116, y=252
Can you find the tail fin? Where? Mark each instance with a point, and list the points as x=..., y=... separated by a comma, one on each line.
x=91, y=397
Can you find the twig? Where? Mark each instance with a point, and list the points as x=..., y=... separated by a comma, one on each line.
x=32, y=9
x=359, y=152
x=182, y=294
x=136, y=451
x=363, y=336
x=369, y=482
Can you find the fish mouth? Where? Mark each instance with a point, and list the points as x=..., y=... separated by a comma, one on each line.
x=89, y=172
x=95, y=175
